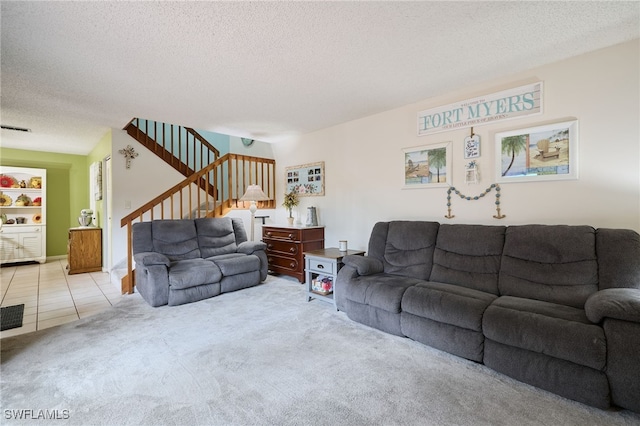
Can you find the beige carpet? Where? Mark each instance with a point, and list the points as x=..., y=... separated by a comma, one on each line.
x=259, y=356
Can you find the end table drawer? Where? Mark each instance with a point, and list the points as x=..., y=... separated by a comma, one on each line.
x=319, y=265
x=281, y=234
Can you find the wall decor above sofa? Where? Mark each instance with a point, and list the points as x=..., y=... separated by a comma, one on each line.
x=428, y=166
x=495, y=186
x=548, y=152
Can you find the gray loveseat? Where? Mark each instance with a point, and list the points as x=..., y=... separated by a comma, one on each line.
x=557, y=307
x=182, y=261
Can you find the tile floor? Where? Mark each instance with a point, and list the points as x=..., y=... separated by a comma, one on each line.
x=51, y=296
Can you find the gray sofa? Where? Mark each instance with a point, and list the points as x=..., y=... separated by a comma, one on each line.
x=557, y=307
x=182, y=261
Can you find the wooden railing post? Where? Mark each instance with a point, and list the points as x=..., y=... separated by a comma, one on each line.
x=127, y=281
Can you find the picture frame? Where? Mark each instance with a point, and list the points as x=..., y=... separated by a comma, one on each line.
x=428, y=166
x=536, y=154
x=306, y=180
x=471, y=174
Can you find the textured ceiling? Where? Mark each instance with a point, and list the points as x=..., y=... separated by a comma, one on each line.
x=267, y=70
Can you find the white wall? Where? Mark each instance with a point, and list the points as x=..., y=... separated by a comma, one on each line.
x=364, y=158
x=147, y=178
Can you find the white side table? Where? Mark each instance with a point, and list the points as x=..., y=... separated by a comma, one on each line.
x=323, y=265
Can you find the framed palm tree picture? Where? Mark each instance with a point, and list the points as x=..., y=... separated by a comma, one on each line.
x=427, y=166
x=548, y=152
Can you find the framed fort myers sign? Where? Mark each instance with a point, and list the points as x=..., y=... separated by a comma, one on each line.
x=507, y=104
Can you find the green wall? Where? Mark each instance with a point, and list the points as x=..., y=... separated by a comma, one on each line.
x=67, y=190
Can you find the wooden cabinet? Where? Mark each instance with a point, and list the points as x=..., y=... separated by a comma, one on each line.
x=21, y=244
x=84, y=251
x=286, y=246
x=23, y=210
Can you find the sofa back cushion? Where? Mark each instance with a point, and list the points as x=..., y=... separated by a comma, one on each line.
x=176, y=239
x=238, y=229
x=618, y=258
x=469, y=256
x=216, y=236
x=552, y=263
x=141, y=237
x=404, y=247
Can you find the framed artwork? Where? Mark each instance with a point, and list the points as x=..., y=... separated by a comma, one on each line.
x=427, y=166
x=541, y=153
x=96, y=178
x=306, y=180
x=471, y=174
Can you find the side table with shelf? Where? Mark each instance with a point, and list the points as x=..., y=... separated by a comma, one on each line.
x=323, y=266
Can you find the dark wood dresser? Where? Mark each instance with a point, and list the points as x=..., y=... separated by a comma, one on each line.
x=286, y=246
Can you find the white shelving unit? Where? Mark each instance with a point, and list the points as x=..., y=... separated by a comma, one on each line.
x=23, y=235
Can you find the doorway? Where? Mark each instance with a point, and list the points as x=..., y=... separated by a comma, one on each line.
x=106, y=241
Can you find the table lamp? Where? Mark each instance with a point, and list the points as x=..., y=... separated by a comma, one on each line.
x=254, y=193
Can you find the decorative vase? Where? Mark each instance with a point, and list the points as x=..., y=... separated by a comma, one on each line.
x=290, y=221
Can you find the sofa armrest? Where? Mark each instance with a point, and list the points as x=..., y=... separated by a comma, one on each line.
x=363, y=264
x=618, y=303
x=250, y=247
x=150, y=258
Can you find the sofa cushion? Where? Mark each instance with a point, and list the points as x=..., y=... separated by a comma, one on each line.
x=193, y=272
x=404, y=247
x=238, y=265
x=552, y=263
x=447, y=303
x=382, y=291
x=469, y=255
x=618, y=254
x=216, y=236
x=225, y=256
x=556, y=330
x=141, y=237
x=176, y=239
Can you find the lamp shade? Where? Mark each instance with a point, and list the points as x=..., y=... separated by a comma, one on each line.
x=254, y=193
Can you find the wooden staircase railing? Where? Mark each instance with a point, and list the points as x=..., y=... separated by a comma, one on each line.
x=183, y=148
x=228, y=176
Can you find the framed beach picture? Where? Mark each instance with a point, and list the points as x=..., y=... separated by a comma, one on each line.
x=427, y=166
x=306, y=180
x=541, y=153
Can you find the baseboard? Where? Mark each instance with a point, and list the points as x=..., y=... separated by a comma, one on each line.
x=52, y=258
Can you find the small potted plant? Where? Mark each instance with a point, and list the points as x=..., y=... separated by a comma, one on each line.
x=290, y=201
